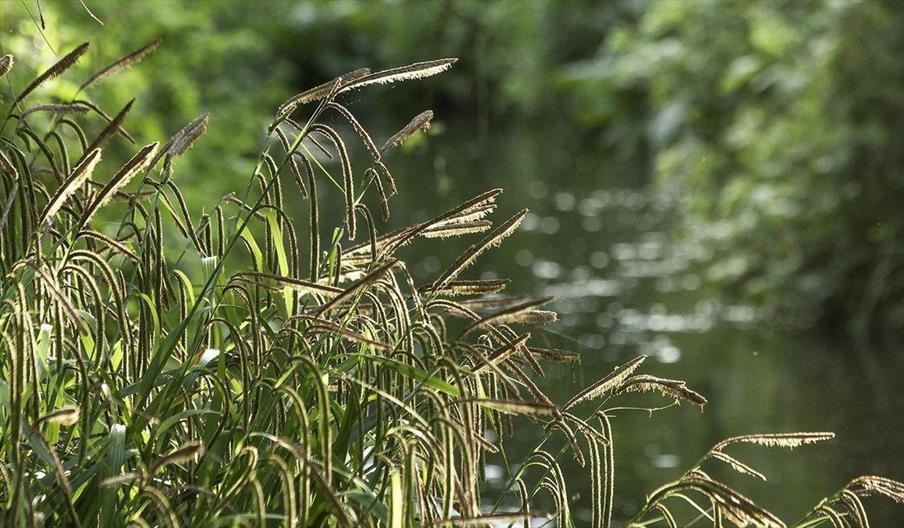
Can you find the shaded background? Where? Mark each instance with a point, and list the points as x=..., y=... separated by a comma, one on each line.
x=715, y=184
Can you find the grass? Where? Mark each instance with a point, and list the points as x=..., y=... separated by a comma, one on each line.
x=238, y=368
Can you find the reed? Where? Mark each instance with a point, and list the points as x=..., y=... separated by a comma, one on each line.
x=288, y=379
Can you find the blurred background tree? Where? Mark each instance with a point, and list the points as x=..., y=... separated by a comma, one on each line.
x=212, y=58
x=779, y=125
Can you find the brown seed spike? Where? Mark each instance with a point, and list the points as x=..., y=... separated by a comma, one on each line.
x=80, y=174
x=111, y=128
x=125, y=174
x=188, y=135
x=737, y=465
x=417, y=124
x=667, y=387
x=468, y=287
x=418, y=70
x=493, y=238
x=124, y=63
x=56, y=108
x=872, y=485
x=556, y=356
x=54, y=71
x=358, y=286
x=607, y=383
x=512, y=314
x=451, y=230
x=479, y=202
x=183, y=139
x=319, y=92
x=6, y=64
x=514, y=406
x=502, y=353
x=789, y=440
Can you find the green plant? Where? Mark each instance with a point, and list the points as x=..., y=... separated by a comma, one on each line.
x=774, y=120
x=256, y=376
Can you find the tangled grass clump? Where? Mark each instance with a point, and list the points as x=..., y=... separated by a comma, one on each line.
x=266, y=377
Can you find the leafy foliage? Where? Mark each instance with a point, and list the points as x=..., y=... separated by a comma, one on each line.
x=238, y=367
x=776, y=120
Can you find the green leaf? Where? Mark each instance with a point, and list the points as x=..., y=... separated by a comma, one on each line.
x=279, y=245
x=416, y=373
x=397, y=500
x=112, y=466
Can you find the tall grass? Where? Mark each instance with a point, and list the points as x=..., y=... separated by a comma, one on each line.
x=237, y=367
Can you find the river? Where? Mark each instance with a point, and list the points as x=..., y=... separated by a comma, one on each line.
x=626, y=282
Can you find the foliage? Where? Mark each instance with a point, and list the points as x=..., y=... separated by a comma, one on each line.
x=265, y=374
x=492, y=79
x=211, y=59
x=778, y=122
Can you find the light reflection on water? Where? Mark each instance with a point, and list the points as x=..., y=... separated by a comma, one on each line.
x=606, y=249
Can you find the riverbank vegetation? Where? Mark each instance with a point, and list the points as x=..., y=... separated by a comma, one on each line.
x=268, y=359
x=775, y=122
x=779, y=124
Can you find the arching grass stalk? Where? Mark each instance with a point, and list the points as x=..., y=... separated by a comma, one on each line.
x=143, y=389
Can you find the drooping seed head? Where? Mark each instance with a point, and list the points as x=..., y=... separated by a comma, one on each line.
x=6, y=64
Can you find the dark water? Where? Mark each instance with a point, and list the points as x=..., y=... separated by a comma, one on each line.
x=606, y=248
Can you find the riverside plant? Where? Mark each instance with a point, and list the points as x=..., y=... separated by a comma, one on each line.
x=265, y=375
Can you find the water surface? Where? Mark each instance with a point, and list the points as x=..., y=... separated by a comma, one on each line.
x=626, y=283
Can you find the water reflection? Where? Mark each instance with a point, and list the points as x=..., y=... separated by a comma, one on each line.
x=607, y=251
